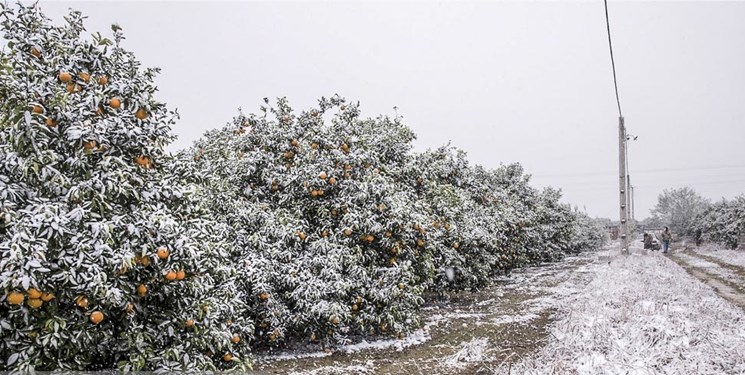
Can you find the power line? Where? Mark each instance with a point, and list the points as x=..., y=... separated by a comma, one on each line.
x=612, y=60
x=604, y=173
x=653, y=185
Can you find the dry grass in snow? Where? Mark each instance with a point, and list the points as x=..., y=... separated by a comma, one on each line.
x=642, y=314
x=473, y=351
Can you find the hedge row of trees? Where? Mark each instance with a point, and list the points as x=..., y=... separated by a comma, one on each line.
x=689, y=214
x=283, y=225
x=722, y=222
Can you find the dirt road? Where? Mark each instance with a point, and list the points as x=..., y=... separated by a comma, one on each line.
x=728, y=280
x=470, y=334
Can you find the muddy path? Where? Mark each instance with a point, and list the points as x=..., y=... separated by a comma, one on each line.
x=472, y=333
x=727, y=280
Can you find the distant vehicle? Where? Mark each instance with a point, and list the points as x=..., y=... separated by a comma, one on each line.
x=651, y=242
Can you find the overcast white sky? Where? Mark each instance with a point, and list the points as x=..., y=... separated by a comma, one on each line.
x=526, y=82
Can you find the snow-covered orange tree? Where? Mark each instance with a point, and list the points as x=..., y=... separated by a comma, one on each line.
x=329, y=239
x=106, y=261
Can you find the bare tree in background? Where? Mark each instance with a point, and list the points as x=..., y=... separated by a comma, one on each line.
x=678, y=208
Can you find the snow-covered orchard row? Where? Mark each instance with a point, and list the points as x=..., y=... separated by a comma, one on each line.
x=643, y=314
x=282, y=226
x=722, y=222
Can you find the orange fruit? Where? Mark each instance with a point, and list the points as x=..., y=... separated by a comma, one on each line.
x=115, y=103
x=163, y=252
x=35, y=51
x=180, y=275
x=264, y=296
x=235, y=339
x=347, y=232
x=15, y=298
x=322, y=175
x=103, y=80
x=227, y=357
x=73, y=88
x=145, y=261
x=345, y=147
x=388, y=234
x=295, y=143
x=334, y=319
x=314, y=145
x=143, y=161
x=37, y=109
x=301, y=235
x=65, y=77
x=84, y=76
x=141, y=290
x=46, y=297
x=82, y=302
x=355, y=307
x=189, y=323
x=456, y=245
x=51, y=123
x=96, y=317
x=314, y=193
x=401, y=286
x=332, y=181
x=33, y=293
x=34, y=303
x=369, y=238
x=90, y=145
x=141, y=114
x=170, y=276
x=420, y=242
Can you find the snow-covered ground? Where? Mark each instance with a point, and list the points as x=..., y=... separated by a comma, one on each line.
x=600, y=313
x=641, y=314
x=712, y=268
x=732, y=257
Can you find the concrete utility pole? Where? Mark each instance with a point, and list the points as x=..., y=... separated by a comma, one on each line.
x=633, y=210
x=623, y=187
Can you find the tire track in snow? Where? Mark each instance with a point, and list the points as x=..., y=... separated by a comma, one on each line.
x=722, y=280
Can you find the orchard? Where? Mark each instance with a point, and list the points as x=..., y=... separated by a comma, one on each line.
x=282, y=226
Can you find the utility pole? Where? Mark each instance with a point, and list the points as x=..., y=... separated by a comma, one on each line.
x=623, y=187
x=633, y=210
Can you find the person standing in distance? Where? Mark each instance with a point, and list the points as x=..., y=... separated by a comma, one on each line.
x=666, y=237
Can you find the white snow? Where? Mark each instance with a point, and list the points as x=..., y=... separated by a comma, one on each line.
x=514, y=319
x=731, y=257
x=475, y=350
x=417, y=337
x=363, y=369
x=641, y=315
x=712, y=268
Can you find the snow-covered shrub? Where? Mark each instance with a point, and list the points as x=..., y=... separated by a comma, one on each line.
x=105, y=259
x=327, y=235
x=587, y=234
x=338, y=227
x=723, y=222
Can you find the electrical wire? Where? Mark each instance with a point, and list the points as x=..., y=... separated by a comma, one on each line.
x=612, y=60
x=657, y=170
